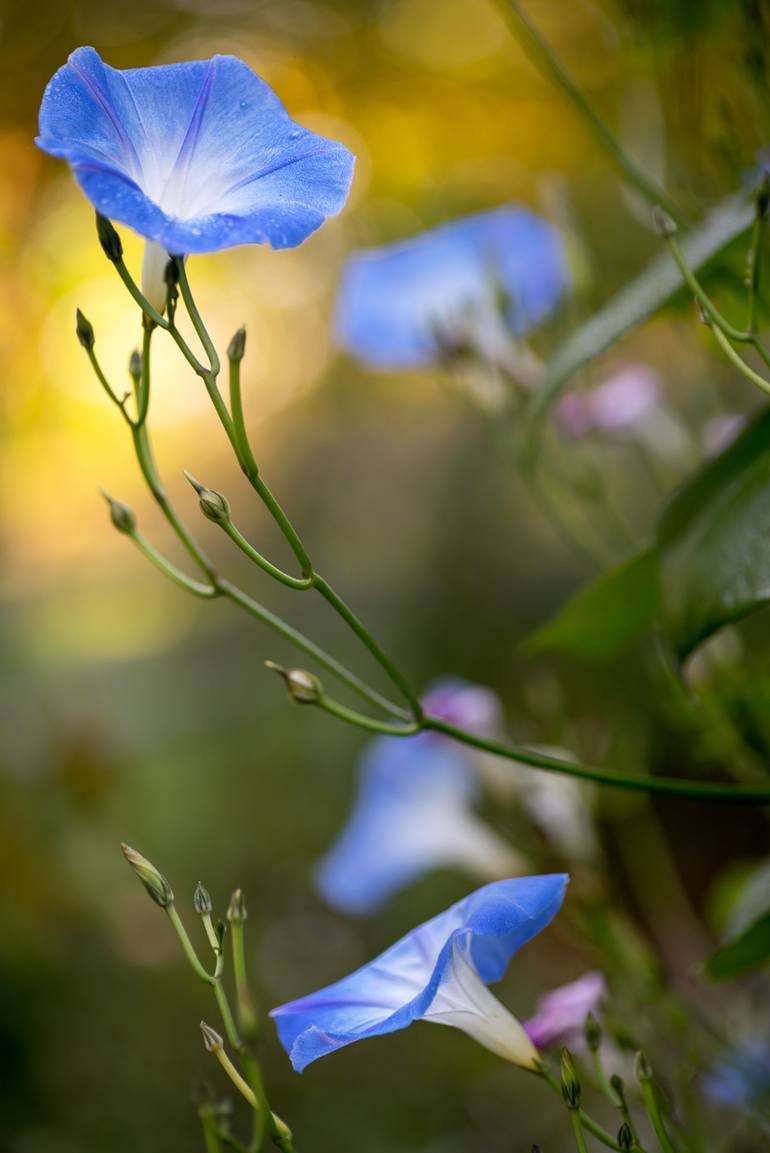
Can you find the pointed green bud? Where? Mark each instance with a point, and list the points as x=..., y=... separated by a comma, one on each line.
x=213, y=505
x=109, y=239
x=237, y=346
x=619, y=1089
x=211, y=1039
x=642, y=1068
x=201, y=900
x=135, y=365
x=302, y=686
x=221, y=932
x=593, y=1033
x=236, y=910
x=84, y=330
x=664, y=225
x=570, y=1085
x=762, y=201
x=625, y=1137
x=121, y=515
x=152, y=879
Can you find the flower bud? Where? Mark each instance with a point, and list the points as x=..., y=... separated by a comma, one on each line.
x=762, y=201
x=121, y=515
x=619, y=1089
x=201, y=900
x=171, y=272
x=237, y=346
x=236, y=910
x=642, y=1068
x=135, y=365
x=570, y=1085
x=109, y=239
x=664, y=225
x=625, y=1137
x=214, y=505
x=152, y=879
x=84, y=330
x=593, y=1033
x=302, y=686
x=211, y=1039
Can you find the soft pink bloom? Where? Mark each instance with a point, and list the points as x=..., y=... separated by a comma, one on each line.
x=560, y=1015
x=617, y=405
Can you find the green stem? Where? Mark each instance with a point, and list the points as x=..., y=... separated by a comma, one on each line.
x=247, y=1017
x=187, y=946
x=757, y=247
x=281, y=519
x=197, y=320
x=143, y=400
x=243, y=446
x=305, y=645
x=211, y=1135
x=587, y=1122
x=99, y=374
x=272, y=570
x=700, y=790
x=353, y=717
x=363, y=634
x=280, y=1133
x=738, y=361
x=543, y=56
x=653, y=1112
x=700, y=294
x=226, y=1013
x=144, y=456
x=171, y=571
x=577, y=1129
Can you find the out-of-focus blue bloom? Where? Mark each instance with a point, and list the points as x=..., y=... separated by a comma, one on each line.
x=438, y=972
x=196, y=156
x=741, y=1079
x=401, y=306
x=414, y=810
x=560, y=1015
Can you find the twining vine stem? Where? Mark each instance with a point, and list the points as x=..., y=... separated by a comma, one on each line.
x=405, y=720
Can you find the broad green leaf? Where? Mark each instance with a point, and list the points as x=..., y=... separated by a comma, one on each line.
x=642, y=297
x=607, y=616
x=714, y=542
x=747, y=951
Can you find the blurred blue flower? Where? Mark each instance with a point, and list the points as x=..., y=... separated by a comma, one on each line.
x=741, y=1079
x=196, y=156
x=402, y=305
x=414, y=810
x=438, y=972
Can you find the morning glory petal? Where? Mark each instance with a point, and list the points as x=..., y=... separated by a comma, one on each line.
x=402, y=984
x=413, y=813
x=196, y=156
x=398, y=304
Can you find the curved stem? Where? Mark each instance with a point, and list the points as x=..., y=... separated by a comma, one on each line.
x=361, y=721
x=363, y=634
x=99, y=374
x=267, y=566
x=307, y=646
x=738, y=361
x=197, y=320
x=144, y=456
x=143, y=400
x=592, y=1126
x=698, y=790
x=704, y=300
x=543, y=56
x=170, y=570
x=577, y=1129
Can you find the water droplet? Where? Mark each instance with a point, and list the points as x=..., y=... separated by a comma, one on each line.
x=295, y=135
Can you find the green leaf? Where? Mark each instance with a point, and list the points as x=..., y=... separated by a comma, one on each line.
x=714, y=542
x=641, y=298
x=607, y=616
x=750, y=949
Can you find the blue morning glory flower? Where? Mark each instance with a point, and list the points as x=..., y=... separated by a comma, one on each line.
x=402, y=305
x=439, y=972
x=195, y=157
x=414, y=810
x=741, y=1079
